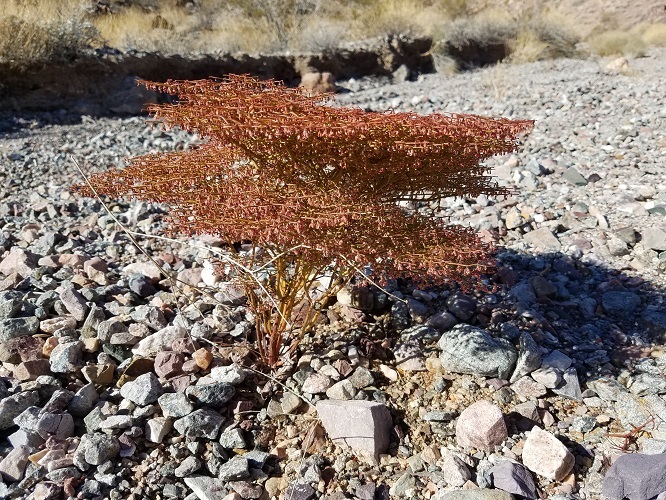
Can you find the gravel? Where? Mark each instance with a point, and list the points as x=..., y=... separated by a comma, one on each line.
x=149, y=393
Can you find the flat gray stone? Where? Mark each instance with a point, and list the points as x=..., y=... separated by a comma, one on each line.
x=159, y=341
x=468, y=349
x=175, y=404
x=544, y=239
x=654, y=238
x=636, y=476
x=200, y=423
x=206, y=488
x=12, y=467
x=97, y=448
x=215, y=394
x=364, y=426
x=235, y=469
x=569, y=387
x=513, y=478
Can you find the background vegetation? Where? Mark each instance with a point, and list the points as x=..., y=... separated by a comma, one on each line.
x=41, y=30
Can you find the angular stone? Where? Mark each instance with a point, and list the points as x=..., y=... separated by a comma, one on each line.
x=12, y=406
x=235, y=469
x=544, y=239
x=548, y=377
x=73, y=301
x=159, y=341
x=17, y=327
x=66, y=356
x=12, y=467
x=232, y=374
x=454, y=470
x=19, y=261
x=556, y=360
x=168, y=364
x=620, y=303
x=53, y=324
x=143, y=390
x=513, y=478
x=200, y=423
x=570, y=387
x=529, y=357
x=481, y=426
x=233, y=439
x=574, y=177
x=468, y=349
x=157, y=428
x=97, y=448
x=364, y=426
x=151, y=316
x=215, y=394
x=545, y=455
x=83, y=401
x=636, y=476
x=175, y=404
x=206, y=488
x=316, y=383
x=31, y=369
x=654, y=238
x=343, y=390
x=361, y=378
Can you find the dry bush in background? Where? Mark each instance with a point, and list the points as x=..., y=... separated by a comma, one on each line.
x=615, y=42
x=33, y=31
x=655, y=35
x=314, y=190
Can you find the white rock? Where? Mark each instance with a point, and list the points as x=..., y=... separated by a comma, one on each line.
x=545, y=455
x=157, y=428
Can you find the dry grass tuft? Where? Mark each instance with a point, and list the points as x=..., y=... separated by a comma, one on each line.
x=655, y=34
x=36, y=31
x=616, y=42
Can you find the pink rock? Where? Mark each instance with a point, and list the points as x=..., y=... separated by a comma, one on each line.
x=53, y=324
x=546, y=455
x=168, y=364
x=71, y=260
x=185, y=345
x=191, y=276
x=148, y=269
x=19, y=261
x=31, y=369
x=481, y=426
x=96, y=269
x=318, y=83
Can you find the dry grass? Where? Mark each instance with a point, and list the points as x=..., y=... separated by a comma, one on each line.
x=38, y=30
x=616, y=42
x=655, y=34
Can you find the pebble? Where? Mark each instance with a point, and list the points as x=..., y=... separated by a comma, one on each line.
x=200, y=423
x=145, y=389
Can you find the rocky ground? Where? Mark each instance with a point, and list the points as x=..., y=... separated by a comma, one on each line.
x=115, y=385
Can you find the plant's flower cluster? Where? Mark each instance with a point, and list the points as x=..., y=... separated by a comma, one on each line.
x=283, y=169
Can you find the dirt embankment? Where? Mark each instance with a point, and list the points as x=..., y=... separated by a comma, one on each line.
x=103, y=83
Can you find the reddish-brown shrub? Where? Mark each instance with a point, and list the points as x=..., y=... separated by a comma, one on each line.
x=315, y=188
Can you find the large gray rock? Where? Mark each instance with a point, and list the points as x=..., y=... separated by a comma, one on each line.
x=12, y=406
x=17, y=327
x=159, y=341
x=636, y=476
x=201, y=423
x=145, y=389
x=364, y=426
x=215, y=394
x=468, y=349
x=96, y=448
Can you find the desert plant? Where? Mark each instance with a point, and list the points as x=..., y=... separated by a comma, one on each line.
x=34, y=32
x=615, y=42
x=655, y=34
x=313, y=191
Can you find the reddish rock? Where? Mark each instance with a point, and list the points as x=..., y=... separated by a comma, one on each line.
x=190, y=366
x=71, y=260
x=30, y=370
x=54, y=324
x=96, y=270
x=24, y=348
x=49, y=261
x=190, y=276
x=203, y=358
x=168, y=364
x=184, y=345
